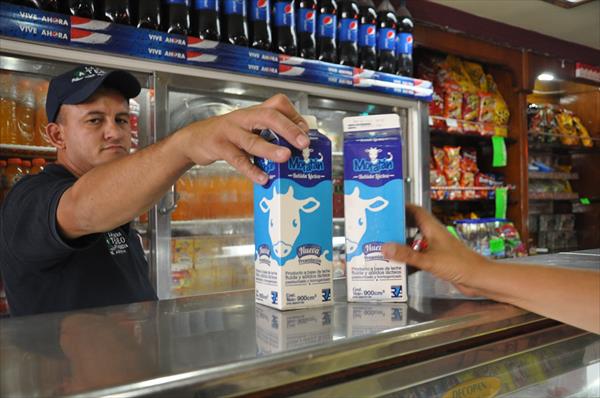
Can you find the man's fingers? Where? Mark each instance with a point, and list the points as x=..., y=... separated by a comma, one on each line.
x=239, y=160
x=403, y=254
x=257, y=146
x=279, y=114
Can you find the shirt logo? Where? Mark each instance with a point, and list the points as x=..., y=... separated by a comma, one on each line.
x=116, y=243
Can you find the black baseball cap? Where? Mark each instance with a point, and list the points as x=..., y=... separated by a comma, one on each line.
x=79, y=84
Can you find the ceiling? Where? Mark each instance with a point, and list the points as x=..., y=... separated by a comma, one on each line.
x=578, y=25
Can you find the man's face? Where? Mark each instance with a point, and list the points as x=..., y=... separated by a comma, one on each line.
x=95, y=132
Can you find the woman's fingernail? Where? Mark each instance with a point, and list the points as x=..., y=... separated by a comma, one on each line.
x=282, y=153
x=262, y=178
x=302, y=140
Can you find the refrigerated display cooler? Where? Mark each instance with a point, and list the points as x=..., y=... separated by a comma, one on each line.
x=199, y=238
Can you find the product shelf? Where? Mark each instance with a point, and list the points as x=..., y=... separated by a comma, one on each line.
x=540, y=175
x=472, y=137
x=553, y=195
x=27, y=151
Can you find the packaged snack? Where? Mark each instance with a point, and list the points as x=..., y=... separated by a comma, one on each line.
x=568, y=134
x=487, y=106
x=501, y=112
x=437, y=179
x=438, y=157
x=467, y=179
x=470, y=111
x=476, y=74
x=582, y=132
x=469, y=160
x=452, y=165
x=453, y=105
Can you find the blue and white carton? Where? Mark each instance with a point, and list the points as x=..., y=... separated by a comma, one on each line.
x=293, y=226
x=374, y=207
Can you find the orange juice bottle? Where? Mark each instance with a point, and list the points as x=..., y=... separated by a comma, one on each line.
x=41, y=120
x=26, y=166
x=200, y=191
x=13, y=172
x=25, y=111
x=37, y=165
x=182, y=211
x=8, y=105
x=210, y=195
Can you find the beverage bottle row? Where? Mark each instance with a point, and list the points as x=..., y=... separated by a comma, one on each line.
x=22, y=110
x=349, y=32
x=13, y=169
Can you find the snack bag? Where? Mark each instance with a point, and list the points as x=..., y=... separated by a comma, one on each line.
x=582, y=132
x=568, y=134
x=437, y=179
x=476, y=74
x=468, y=162
x=453, y=104
x=436, y=108
x=467, y=179
x=438, y=157
x=470, y=111
x=452, y=170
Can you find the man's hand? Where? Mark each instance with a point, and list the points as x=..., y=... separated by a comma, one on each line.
x=445, y=256
x=232, y=137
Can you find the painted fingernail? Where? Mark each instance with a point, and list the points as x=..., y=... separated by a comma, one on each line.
x=262, y=178
x=302, y=140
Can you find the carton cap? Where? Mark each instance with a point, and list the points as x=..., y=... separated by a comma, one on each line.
x=312, y=122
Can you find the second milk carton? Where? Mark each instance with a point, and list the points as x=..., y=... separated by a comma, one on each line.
x=374, y=207
x=293, y=226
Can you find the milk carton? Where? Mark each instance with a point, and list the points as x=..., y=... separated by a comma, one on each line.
x=293, y=226
x=373, y=206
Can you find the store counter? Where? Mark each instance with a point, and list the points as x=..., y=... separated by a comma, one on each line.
x=224, y=344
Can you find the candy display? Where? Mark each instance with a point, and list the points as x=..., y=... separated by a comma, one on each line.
x=553, y=124
x=465, y=99
x=491, y=237
x=453, y=169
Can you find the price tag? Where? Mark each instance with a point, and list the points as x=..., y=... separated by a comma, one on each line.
x=453, y=231
x=501, y=202
x=499, y=149
x=497, y=245
x=451, y=123
x=584, y=201
x=430, y=121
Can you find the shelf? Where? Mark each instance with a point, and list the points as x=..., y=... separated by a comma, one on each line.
x=540, y=175
x=27, y=151
x=553, y=195
x=557, y=147
x=217, y=227
x=471, y=137
x=436, y=188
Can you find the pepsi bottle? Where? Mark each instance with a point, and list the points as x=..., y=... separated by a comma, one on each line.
x=326, y=41
x=48, y=5
x=404, y=41
x=146, y=14
x=176, y=16
x=235, y=24
x=306, y=28
x=285, y=30
x=205, y=20
x=367, y=35
x=387, y=23
x=348, y=33
x=260, y=25
x=80, y=8
x=115, y=11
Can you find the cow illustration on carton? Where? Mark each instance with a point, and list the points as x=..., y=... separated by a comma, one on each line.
x=285, y=226
x=356, y=216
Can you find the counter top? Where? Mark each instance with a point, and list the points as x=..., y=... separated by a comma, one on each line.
x=225, y=344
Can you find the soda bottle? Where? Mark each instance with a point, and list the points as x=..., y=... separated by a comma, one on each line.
x=146, y=14
x=176, y=16
x=48, y=5
x=205, y=20
x=115, y=11
x=235, y=26
x=285, y=32
x=306, y=28
x=326, y=43
x=404, y=41
x=367, y=38
x=80, y=8
x=41, y=120
x=387, y=24
x=260, y=25
x=348, y=33
x=25, y=112
x=8, y=109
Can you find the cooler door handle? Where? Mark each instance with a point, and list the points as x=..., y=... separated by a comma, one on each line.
x=169, y=202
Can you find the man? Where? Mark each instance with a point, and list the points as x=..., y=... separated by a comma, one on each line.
x=65, y=240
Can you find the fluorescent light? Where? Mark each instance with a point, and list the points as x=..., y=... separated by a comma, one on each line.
x=546, y=77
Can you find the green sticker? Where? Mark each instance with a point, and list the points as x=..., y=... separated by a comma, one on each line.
x=453, y=231
x=584, y=201
x=497, y=245
x=501, y=202
x=499, y=148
